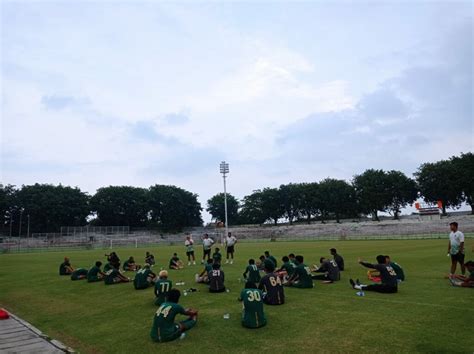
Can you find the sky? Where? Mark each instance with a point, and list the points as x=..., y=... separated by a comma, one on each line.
x=99, y=93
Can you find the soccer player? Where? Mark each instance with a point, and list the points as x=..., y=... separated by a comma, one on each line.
x=189, y=244
x=216, y=279
x=456, y=248
x=150, y=259
x=164, y=328
x=114, y=260
x=230, y=242
x=217, y=256
x=206, y=246
x=302, y=275
x=462, y=280
x=329, y=269
x=113, y=276
x=79, y=273
x=252, y=302
x=270, y=284
x=292, y=258
x=65, y=268
x=203, y=277
x=397, y=268
x=95, y=274
x=162, y=287
x=130, y=265
x=261, y=263
x=270, y=257
x=388, y=277
x=338, y=258
x=253, y=272
x=287, y=269
x=144, y=278
x=175, y=263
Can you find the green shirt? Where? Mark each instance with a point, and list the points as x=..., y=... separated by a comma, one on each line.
x=252, y=313
x=110, y=275
x=141, y=278
x=173, y=262
x=93, y=273
x=217, y=257
x=78, y=273
x=108, y=267
x=63, y=268
x=164, y=328
x=304, y=276
x=289, y=267
x=273, y=259
x=253, y=274
x=162, y=287
x=399, y=270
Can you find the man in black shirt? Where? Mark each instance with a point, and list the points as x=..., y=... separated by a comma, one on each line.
x=338, y=258
x=329, y=269
x=216, y=279
x=388, y=276
x=270, y=284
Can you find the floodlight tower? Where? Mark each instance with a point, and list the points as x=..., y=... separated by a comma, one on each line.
x=224, y=166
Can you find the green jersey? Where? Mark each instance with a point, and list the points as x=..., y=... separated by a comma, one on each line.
x=164, y=328
x=108, y=267
x=208, y=268
x=162, y=287
x=174, y=262
x=141, y=278
x=252, y=273
x=79, y=273
x=304, y=276
x=93, y=274
x=63, y=268
x=273, y=259
x=399, y=270
x=289, y=267
x=217, y=257
x=252, y=313
x=110, y=276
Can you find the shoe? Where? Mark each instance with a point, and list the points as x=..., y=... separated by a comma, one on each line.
x=227, y=261
x=231, y=262
x=189, y=263
x=182, y=336
x=352, y=283
x=194, y=263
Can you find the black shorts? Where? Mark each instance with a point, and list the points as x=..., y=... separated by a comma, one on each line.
x=190, y=253
x=207, y=252
x=458, y=257
x=230, y=249
x=382, y=288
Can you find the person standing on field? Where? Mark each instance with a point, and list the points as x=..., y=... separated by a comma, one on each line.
x=456, y=248
x=207, y=243
x=230, y=242
x=189, y=244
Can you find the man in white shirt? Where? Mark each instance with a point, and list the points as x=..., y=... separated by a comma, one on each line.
x=206, y=246
x=456, y=248
x=189, y=244
x=230, y=242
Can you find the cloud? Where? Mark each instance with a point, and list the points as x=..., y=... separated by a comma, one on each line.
x=57, y=102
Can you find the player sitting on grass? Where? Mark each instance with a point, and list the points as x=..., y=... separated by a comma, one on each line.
x=270, y=257
x=387, y=274
x=462, y=280
x=302, y=276
x=162, y=287
x=217, y=256
x=203, y=277
x=164, y=328
x=114, y=260
x=130, y=265
x=286, y=270
x=338, y=258
x=144, y=278
x=95, y=274
x=79, y=273
x=175, y=263
x=261, y=263
x=252, y=274
x=150, y=259
x=292, y=258
x=270, y=284
x=397, y=268
x=252, y=302
x=329, y=269
x=113, y=276
x=216, y=279
x=65, y=268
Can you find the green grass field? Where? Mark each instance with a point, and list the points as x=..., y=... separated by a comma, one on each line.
x=427, y=315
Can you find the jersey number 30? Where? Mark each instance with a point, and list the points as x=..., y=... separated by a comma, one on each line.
x=254, y=295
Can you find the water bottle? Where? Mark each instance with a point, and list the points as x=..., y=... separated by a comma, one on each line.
x=360, y=293
x=226, y=316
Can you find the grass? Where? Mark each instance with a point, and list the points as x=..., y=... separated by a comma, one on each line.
x=427, y=315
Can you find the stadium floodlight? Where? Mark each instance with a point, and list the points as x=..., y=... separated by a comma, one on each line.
x=224, y=168
x=28, y=232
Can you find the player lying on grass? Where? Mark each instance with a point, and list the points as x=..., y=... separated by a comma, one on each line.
x=338, y=258
x=206, y=247
x=175, y=263
x=65, y=268
x=130, y=265
x=329, y=269
x=252, y=302
x=462, y=280
x=113, y=276
x=144, y=278
x=252, y=273
x=216, y=279
x=302, y=275
x=79, y=273
x=217, y=256
x=270, y=257
x=271, y=285
x=189, y=244
x=397, y=268
x=150, y=259
x=203, y=277
x=286, y=270
x=114, y=260
x=162, y=287
x=95, y=274
x=387, y=274
x=164, y=328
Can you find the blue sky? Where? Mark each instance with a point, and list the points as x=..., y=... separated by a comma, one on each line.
x=106, y=93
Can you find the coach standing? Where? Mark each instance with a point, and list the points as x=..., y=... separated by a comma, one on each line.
x=456, y=248
x=230, y=242
x=206, y=247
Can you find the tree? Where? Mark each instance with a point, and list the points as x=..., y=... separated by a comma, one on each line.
x=372, y=192
x=172, y=208
x=272, y=206
x=49, y=207
x=438, y=181
x=337, y=198
x=252, y=209
x=464, y=167
x=215, y=206
x=309, y=201
x=7, y=204
x=290, y=195
x=121, y=206
x=402, y=191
